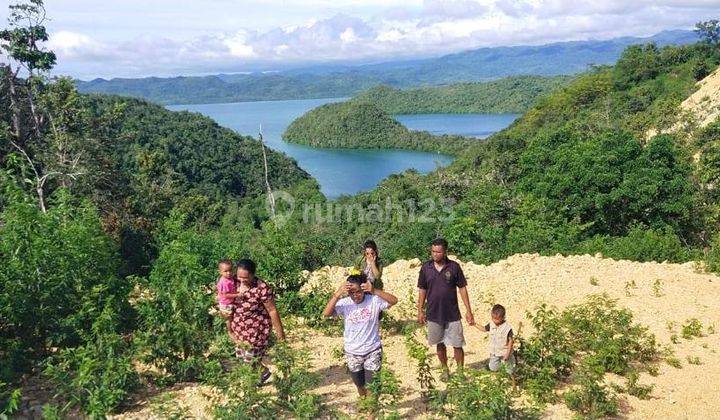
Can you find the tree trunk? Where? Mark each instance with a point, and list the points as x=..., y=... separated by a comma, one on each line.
x=17, y=127
x=14, y=104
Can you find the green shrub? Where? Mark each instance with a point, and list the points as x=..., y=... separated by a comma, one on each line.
x=694, y=360
x=245, y=400
x=692, y=328
x=419, y=352
x=636, y=389
x=383, y=394
x=596, y=329
x=9, y=399
x=97, y=376
x=58, y=270
x=599, y=327
x=309, y=307
x=479, y=394
x=293, y=380
x=590, y=398
x=639, y=245
x=673, y=361
x=546, y=357
x=712, y=259
x=175, y=328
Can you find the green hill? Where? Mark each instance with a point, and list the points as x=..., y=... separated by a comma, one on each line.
x=509, y=95
x=577, y=174
x=356, y=125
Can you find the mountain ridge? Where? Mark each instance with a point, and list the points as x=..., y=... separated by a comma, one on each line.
x=333, y=80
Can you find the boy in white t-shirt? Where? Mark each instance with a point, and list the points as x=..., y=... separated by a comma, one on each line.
x=360, y=310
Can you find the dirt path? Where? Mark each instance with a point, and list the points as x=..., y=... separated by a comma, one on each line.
x=658, y=294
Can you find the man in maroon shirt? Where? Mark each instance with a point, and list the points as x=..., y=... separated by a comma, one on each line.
x=438, y=283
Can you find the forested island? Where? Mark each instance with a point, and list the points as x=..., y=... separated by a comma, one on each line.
x=364, y=122
x=509, y=95
x=114, y=214
x=357, y=125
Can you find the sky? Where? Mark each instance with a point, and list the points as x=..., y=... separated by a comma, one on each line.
x=138, y=38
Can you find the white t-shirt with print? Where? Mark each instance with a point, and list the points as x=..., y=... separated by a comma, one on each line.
x=362, y=324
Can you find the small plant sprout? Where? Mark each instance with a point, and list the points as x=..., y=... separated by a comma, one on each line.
x=657, y=288
x=419, y=352
x=593, y=281
x=673, y=361
x=636, y=389
x=711, y=329
x=694, y=360
x=629, y=286
x=671, y=326
x=488, y=298
x=674, y=339
x=692, y=328
x=338, y=353
x=381, y=401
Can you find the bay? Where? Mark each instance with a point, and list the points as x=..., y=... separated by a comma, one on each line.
x=341, y=171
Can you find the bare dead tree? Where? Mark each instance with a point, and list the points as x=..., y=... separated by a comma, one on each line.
x=271, y=197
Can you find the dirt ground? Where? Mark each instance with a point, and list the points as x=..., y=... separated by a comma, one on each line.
x=662, y=296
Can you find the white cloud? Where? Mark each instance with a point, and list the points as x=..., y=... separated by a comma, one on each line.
x=348, y=35
x=71, y=45
x=237, y=45
x=384, y=30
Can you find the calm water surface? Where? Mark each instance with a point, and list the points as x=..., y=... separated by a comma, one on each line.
x=344, y=171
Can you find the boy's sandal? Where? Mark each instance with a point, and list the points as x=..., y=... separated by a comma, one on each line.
x=264, y=376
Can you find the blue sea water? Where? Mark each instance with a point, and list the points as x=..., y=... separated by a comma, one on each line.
x=345, y=171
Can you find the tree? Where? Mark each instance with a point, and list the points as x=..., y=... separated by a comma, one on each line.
x=21, y=42
x=709, y=31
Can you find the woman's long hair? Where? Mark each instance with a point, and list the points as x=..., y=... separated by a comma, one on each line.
x=372, y=245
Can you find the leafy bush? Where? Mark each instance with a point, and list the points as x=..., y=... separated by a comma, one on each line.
x=591, y=398
x=634, y=388
x=596, y=329
x=293, y=380
x=712, y=259
x=9, y=399
x=245, y=400
x=97, y=376
x=383, y=394
x=639, y=245
x=547, y=356
x=175, y=329
x=692, y=328
x=309, y=307
x=57, y=271
x=479, y=394
x=281, y=254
